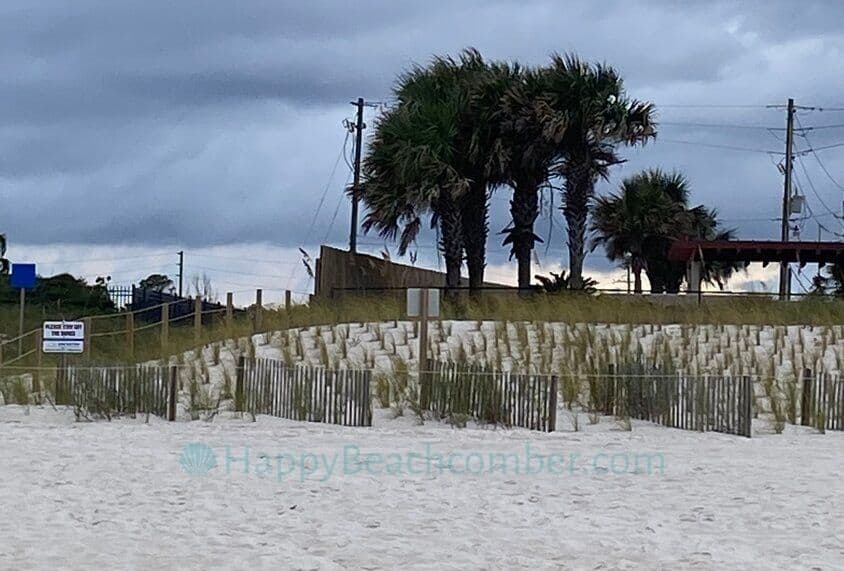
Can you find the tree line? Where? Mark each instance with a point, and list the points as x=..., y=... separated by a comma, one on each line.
x=464, y=127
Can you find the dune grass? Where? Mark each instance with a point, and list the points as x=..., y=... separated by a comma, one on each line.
x=108, y=339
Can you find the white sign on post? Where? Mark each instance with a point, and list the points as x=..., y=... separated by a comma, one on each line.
x=414, y=302
x=63, y=337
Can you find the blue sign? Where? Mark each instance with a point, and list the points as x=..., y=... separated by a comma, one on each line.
x=23, y=276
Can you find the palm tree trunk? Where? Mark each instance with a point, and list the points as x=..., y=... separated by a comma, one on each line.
x=524, y=209
x=638, y=266
x=451, y=239
x=474, y=211
x=579, y=186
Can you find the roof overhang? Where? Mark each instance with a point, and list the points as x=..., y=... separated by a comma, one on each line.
x=748, y=251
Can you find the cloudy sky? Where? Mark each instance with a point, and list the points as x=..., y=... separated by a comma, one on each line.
x=130, y=130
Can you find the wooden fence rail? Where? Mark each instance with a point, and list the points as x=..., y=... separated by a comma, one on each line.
x=314, y=394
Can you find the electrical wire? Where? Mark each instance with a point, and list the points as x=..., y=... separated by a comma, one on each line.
x=818, y=159
x=340, y=201
x=823, y=148
x=716, y=146
x=812, y=186
x=714, y=125
x=711, y=106
x=236, y=272
x=239, y=259
x=117, y=259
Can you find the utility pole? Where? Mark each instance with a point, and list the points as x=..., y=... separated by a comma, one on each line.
x=181, y=270
x=785, y=271
x=359, y=127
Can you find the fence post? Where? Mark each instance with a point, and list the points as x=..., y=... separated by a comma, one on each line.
x=806, y=399
x=238, y=385
x=229, y=309
x=36, y=377
x=89, y=335
x=609, y=403
x=130, y=333
x=165, y=327
x=197, y=320
x=171, y=404
x=552, y=405
x=288, y=302
x=748, y=406
x=256, y=325
x=424, y=396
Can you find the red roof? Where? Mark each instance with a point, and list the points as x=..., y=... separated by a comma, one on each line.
x=765, y=251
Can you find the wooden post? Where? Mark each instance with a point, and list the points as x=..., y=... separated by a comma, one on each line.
x=748, y=406
x=423, y=349
x=256, y=326
x=806, y=399
x=552, y=405
x=36, y=377
x=229, y=309
x=288, y=302
x=238, y=385
x=171, y=404
x=20, y=322
x=165, y=327
x=130, y=334
x=197, y=320
x=89, y=338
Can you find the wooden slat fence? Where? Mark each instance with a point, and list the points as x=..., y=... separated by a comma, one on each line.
x=527, y=401
x=700, y=403
x=114, y=391
x=822, y=401
x=314, y=394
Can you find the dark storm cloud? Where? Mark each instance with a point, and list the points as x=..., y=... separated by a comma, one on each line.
x=202, y=123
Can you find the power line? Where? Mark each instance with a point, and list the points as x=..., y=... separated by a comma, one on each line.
x=236, y=272
x=814, y=190
x=327, y=187
x=820, y=162
x=240, y=259
x=117, y=259
x=716, y=125
x=341, y=155
x=820, y=127
x=823, y=148
x=711, y=106
x=715, y=146
x=340, y=202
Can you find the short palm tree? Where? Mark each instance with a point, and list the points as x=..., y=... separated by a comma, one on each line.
x=591, y=116
x=630, y=224
x=639, y=224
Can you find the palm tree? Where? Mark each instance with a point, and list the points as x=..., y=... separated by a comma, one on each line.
x=639, y=224
x=434, y=153
x=407, y=174
x=591, y=116
x=630, y=224
x=527, y=157
x=4, y=263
